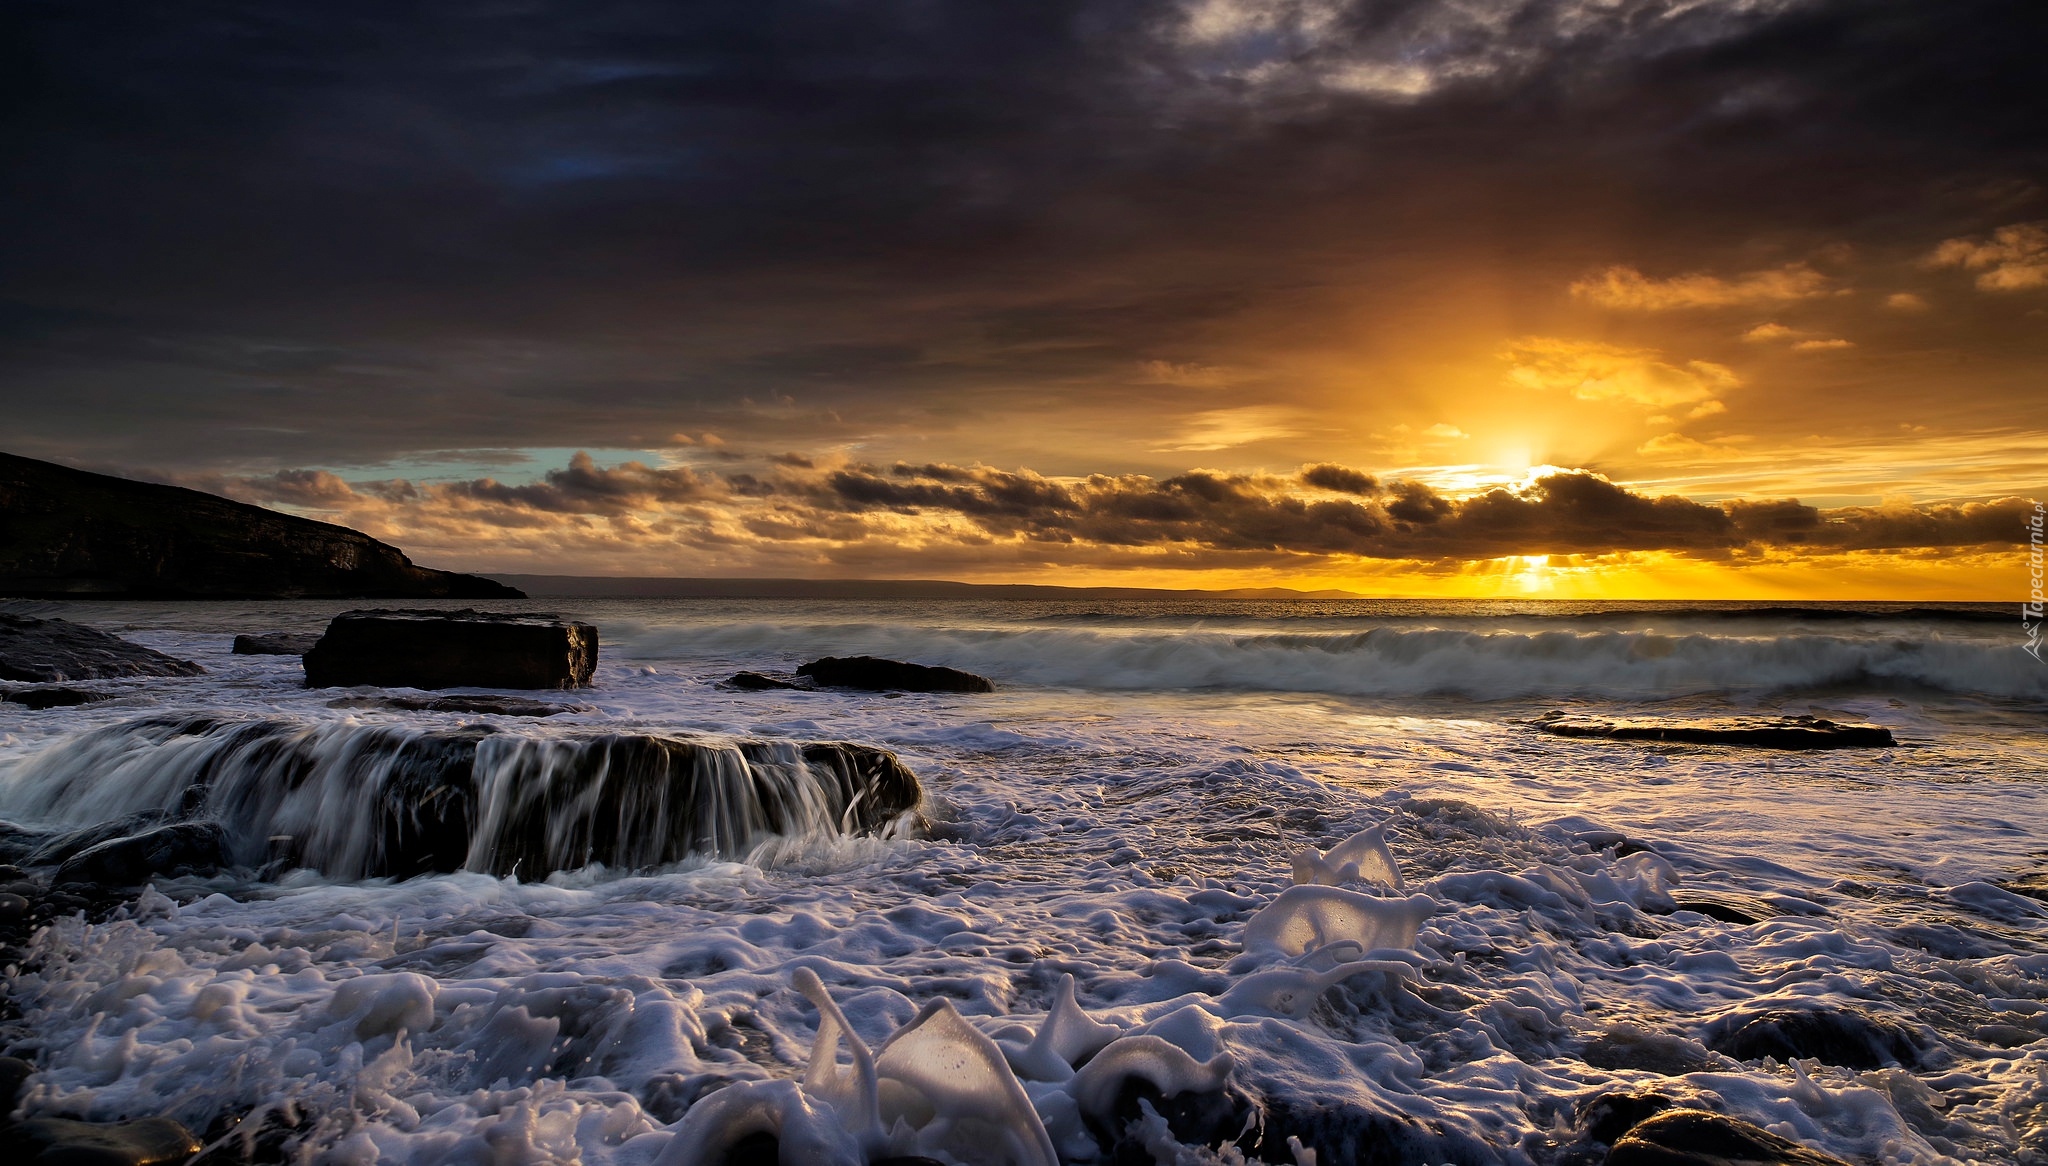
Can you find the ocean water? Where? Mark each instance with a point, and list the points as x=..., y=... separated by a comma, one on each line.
x=1126, y=810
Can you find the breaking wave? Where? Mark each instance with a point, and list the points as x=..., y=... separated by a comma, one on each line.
x=1395, y=661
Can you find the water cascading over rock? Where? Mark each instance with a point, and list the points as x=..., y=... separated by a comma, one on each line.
x=360, y=801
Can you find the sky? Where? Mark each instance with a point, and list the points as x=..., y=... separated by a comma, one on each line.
x=1574, y=298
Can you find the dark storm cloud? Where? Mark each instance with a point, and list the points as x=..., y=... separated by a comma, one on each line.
x=942, y=513
x=302, y=230
x=586, y=488
x=1558, y=513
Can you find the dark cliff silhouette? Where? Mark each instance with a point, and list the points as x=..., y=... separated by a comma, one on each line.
x=65, y=533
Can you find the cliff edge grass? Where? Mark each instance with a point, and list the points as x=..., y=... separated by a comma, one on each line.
x=69, y=534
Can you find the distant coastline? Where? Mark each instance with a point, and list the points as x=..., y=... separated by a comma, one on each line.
x=656, y=587
x=664, y=587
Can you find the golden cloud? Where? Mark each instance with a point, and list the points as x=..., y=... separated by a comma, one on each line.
x=1627, y=289
x=2014, y=258
x=1593, y=371
x=634, y=519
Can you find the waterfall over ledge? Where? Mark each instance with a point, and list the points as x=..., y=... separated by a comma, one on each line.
x=357, y=800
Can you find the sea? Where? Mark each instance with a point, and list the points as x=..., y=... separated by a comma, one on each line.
x=1087, y=943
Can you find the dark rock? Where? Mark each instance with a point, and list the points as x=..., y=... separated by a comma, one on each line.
x=483, y=798
x=876, y=674
x=760, y=682
x=51, y=851
x=2034, y=885
x=184, y=848
x=13, y=907
x=1832, y=1036
x=1627, y=1047
x=17, y=843
x=46, y=650
x=67, y=533
x=1727, y=908
x=14, y=1073
x=505, y=706
x=264, y=1136
x=452, y=649
x=1346, y=1132
x=1765, y=732
x=51, y=1141
x=429, y=805
x=1694, y=1137
x=1194, y=1118
x=667, y=798
x=51, y=696
x=276, y=644
x=1605, y=1117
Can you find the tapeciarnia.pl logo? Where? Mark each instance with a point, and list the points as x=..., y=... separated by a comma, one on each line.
x=2031, y=612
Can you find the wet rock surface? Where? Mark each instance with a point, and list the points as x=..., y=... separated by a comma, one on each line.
x=56, y=1141
x=1695, y=1137
x=1833, y=1036
x=182, y=848
x=1761, y=732
x=874, y=673
x=275, y=643
x=765, y=682
x=1607, y=1117
x=2034, y=885
x=442, y=800
x=51, y=650
x=53, y=696
x=1737, y=909
x=1649, y=1052
x=452, y=649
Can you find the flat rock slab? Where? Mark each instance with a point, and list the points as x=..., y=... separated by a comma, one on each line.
x=875, y=674
x=1694, y=1137
x=52, y=696
x=276, y=644
x=153, y=1141
x=452, y=649
x=47, y=650
x=1764, y=732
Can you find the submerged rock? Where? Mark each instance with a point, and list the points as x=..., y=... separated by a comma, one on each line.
x=1629, y=1047
x=1606, y=1117
x=1833, y=1036
x=183, y=848
x=761, y=682
x=276, y=644
x=1737, y=909
x=2033, y=885
x=874, y=673
x=1766, y=732
x=452, y=649
x=368, y=800
x=51, y=696
x=14, y=1073
x=47, y=650
x=48, y=1141
x=504, y=706
x=50, y=851
x=1694, y=1137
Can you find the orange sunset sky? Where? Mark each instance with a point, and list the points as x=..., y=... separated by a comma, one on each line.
x=1574, y=300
